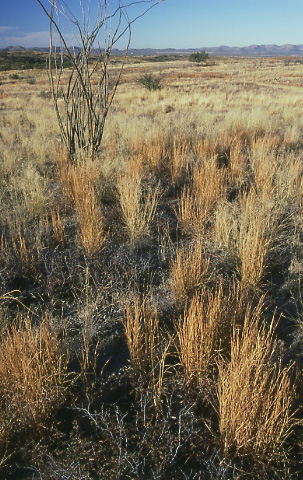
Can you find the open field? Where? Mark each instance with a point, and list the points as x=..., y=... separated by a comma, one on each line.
x=150, y=301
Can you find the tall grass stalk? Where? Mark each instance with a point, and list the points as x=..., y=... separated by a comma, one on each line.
x=197, y=335
x=147, y=346
x=54, y=227
x=179, y=158
x=246, y=231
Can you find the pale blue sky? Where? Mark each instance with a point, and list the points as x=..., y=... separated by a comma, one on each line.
x=176, y=23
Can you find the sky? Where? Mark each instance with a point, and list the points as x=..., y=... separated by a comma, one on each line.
x=172, y=23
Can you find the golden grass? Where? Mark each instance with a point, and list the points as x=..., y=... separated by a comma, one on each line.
x=138, y=206
x=142, y=334
x=205, y=329
x=209, y=185
x=190, y=217
x=226, y=227
x=289, y=180
x=33, y=377
x=197, y=204
x=153, y=150
x=256, y=228
x=197, y=339
x=31, y=185
x=255, y=392
x=26, y=259
x=190, y=272
x=179, y=159
x=5, y=251
x=246, y=231
x=54, y=228
x=148, y=348
x=198, y=342
x=79, y=188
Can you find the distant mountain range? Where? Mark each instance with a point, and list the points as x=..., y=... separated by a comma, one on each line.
x=223, y=50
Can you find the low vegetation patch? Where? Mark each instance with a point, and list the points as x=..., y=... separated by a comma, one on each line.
x=199, y=57
x=150, y=82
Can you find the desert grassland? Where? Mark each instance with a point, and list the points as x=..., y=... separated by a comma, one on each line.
x=169, y=269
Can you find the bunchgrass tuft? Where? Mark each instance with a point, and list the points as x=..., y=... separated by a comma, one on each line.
x=33, y=377
x=255, y=393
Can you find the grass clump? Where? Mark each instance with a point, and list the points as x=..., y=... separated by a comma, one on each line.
x=199, y=334
x=79, y=187
x=205, y=329
x=255, y=393
x=138, y=205
x=33, y=377
x=247, y=231
x=197, y=204
x=142, y=334
x=190, y=272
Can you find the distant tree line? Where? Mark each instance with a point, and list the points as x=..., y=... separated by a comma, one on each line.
x=25, y=61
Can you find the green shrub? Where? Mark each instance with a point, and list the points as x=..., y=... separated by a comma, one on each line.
x=150, y=82
x=199, y=57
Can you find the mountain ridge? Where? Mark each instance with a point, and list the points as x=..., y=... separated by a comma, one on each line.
x=222, y=50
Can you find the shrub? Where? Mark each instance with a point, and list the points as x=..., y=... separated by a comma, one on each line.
x=199, y=57
x=150, y=82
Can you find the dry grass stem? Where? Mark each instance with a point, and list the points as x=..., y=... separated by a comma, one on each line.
x=197, y=338
x=54, y=228
x=27, y=261
x=246, y=231
x=147, y=347
x=179, y=160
